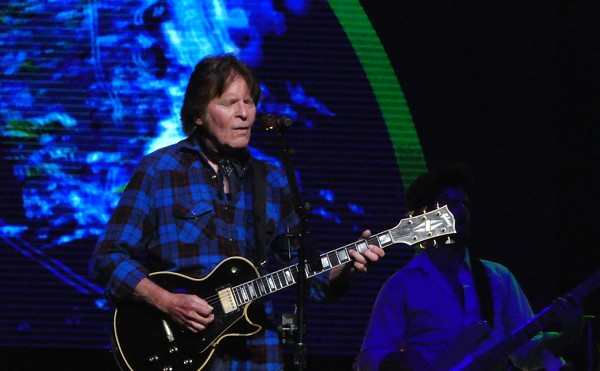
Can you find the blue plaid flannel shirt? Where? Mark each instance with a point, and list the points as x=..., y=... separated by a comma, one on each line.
x=170, y=217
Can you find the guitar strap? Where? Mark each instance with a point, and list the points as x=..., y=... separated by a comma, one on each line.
x=484, y=290
x=259, y=207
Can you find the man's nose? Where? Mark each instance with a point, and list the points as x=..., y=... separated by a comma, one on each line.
x=242, y=110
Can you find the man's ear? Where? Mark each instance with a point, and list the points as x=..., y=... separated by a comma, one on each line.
x=198, y=121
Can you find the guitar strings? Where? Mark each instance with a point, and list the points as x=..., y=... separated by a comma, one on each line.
x=214, y=300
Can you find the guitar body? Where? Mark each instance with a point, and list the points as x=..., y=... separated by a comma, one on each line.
x=146, y=339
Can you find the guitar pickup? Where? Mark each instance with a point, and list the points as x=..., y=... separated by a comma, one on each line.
x=227, y=300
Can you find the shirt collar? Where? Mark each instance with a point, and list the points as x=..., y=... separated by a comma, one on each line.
x=191, y=145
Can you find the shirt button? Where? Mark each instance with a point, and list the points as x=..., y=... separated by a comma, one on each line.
x=214, y=177
x=231, y=240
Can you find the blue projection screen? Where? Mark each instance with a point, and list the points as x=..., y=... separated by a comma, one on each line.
x=88, y=87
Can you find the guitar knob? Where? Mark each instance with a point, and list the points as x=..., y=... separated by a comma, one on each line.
x=153, y=358
x=167, y=368
x=173, y=350
x=188, y=361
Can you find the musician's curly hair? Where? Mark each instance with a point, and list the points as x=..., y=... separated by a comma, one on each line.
x=423, y=192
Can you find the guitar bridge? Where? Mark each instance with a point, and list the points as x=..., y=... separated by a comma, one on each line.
x=227, y=300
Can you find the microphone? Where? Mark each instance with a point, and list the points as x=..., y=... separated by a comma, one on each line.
x=272, y=121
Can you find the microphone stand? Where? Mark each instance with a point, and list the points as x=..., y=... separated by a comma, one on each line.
x=303, y=234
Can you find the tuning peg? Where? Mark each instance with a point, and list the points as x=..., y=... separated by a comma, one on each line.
x=449, y=241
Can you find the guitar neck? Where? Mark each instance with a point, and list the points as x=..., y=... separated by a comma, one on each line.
x=409, y=231
x=522, y=335
x=288, y=276
x=531, y=328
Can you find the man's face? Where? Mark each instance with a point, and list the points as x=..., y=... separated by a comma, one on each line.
x=458, y=204
x=229, y=117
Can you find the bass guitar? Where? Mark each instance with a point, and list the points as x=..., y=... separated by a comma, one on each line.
x=146, y=339
x=457, y=357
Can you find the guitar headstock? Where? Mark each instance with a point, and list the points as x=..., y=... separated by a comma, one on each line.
x=432, y=224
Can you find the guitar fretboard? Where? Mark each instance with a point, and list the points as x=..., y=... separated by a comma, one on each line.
x=286, y=277
x=409, y=231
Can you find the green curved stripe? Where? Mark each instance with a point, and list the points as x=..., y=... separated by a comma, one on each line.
x=389, y=96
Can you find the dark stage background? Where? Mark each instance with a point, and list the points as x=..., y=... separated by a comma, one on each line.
x=510, y=88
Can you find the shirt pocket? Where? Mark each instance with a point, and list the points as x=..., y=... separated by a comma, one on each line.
x=195, y=224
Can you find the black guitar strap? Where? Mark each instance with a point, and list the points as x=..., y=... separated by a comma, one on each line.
x=484, y=290
x=259, y=206
x=236, y=345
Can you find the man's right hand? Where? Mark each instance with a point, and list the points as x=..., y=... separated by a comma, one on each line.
x=189, y=311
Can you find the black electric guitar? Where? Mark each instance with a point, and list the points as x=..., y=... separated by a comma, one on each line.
x=146, y=339
x=457, y=357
